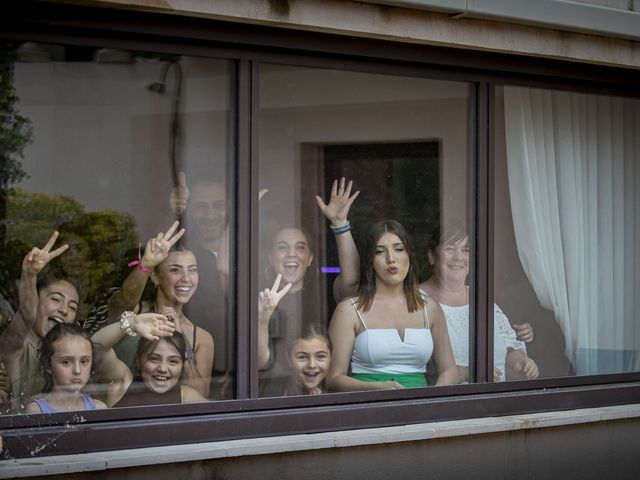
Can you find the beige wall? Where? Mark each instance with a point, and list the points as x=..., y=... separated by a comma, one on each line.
x=302, y=106
x=98, y=130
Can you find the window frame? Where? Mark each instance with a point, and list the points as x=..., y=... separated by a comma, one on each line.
x=246, y=417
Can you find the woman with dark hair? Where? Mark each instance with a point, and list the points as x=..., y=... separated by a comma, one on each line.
x=160, y=358
x=284, y=318
x=384, y=337
x=44, y=303
x=66, y=360
x=174, y=273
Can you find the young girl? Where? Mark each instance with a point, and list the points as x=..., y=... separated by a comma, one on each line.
x=66, y=357
x=174, y=272
x=44, y=302
x=161, y=356
x=310, y=359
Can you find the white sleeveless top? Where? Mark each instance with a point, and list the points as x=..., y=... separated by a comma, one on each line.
x=381, y=350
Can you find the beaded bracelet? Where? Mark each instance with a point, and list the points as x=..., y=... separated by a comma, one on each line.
x=341, y=229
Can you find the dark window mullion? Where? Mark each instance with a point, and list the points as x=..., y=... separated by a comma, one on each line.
x=254, y=106
x=246, y=218
x=481, y=305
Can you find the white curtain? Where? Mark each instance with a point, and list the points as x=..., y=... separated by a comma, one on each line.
x=574, y=180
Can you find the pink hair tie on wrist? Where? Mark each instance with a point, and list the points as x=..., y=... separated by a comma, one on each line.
x=140, y=267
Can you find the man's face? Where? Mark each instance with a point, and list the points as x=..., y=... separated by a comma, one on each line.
x=208, y=210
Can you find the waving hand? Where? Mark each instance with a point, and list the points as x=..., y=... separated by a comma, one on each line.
x=340, y=202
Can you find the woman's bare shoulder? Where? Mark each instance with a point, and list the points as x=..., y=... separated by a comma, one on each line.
x=347, y=305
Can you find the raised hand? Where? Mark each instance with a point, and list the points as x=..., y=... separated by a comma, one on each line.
x=340, y=202
x=37, y=259
x=268, y=299
x=157, y=248
x=179, y=197
x=524, y=332
x=152, y=326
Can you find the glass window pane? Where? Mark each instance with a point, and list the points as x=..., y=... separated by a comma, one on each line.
x=109, y=148
x=403, y=142
x=567, y=223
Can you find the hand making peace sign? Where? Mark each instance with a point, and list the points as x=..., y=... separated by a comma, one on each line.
x=37, y=259
x=340, y=202
x=157, y=248
x=268, y=299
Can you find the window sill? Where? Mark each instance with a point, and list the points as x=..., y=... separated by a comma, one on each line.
x=95, y=462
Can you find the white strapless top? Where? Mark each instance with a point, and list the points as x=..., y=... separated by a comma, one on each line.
x=381, y=350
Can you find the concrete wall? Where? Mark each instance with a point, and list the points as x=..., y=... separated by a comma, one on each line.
x=363, y=19
x=607, y=449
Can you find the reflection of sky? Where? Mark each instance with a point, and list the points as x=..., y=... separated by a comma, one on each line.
x=330, y=269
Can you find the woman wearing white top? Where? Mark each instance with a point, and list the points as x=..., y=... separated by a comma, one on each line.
x=449, y=260
x=383, y=338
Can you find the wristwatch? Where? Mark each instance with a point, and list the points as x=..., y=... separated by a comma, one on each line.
x=125, y=325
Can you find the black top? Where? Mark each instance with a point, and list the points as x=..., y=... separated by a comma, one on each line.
x=207, y=309
x=138, y=395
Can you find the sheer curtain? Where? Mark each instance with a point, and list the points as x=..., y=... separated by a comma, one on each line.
x=574, y=179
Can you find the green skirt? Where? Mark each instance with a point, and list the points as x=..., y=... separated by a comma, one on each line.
x=408, y=380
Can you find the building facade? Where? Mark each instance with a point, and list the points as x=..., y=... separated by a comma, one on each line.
x=514, y=124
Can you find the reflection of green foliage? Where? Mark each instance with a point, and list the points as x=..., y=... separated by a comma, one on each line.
x=15, y=129
x=32, y=216
x=106, y=237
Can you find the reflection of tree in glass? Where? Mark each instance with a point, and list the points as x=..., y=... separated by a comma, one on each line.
x=15, y=129
x=101, y=243
x=15, y=135
x=100, y=246
x=28, y=219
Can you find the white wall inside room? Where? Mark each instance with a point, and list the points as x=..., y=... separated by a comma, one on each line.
x=303, y=105
x=101, y=137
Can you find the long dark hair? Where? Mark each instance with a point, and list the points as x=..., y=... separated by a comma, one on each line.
x=47, y=349
x=368, y=275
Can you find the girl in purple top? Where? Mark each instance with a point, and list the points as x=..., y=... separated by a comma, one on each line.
x=66, y=357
